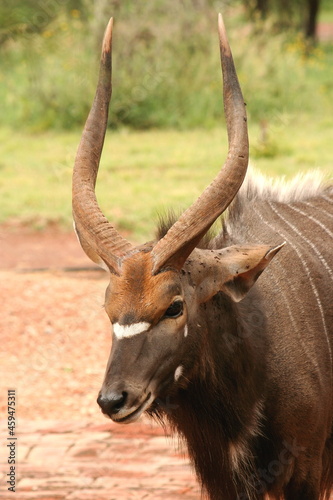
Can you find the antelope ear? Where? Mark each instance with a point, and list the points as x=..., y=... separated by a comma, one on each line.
x=89, y=251
x=244, y=265
x=232, y=270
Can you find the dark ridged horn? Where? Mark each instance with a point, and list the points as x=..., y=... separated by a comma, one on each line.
x=98, y=237
x=174, y=248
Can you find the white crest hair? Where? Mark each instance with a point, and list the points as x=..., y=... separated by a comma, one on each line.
x=300, y=188
x=257, y=187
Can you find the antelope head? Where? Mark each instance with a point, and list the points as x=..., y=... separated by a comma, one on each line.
x=155, y=289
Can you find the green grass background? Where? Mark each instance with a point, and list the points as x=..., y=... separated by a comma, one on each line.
x=142, y=172
x=167, y=138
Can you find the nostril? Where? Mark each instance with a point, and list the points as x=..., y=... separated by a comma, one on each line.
x=112, y=403
x=119, y=402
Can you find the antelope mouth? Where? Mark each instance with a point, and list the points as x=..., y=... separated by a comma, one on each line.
x=133, y=416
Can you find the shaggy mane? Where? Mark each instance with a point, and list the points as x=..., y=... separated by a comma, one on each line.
x=164, y=223
x=256, y=186
x=300, y=188
x=167, y=220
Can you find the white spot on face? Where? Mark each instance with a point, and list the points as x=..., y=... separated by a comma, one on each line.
x=185, y=331
x=178, y=372
x=125, y=331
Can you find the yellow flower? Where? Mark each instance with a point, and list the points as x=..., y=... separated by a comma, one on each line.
x=47, y=34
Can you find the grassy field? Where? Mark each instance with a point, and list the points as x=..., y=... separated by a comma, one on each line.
x=167, y=83
x=144, y=173
x=166, y=68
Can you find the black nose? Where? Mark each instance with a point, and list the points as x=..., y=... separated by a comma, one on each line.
x=112, y=403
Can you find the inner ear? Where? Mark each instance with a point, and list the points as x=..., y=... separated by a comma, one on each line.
x=238, y=287
x=248, y=270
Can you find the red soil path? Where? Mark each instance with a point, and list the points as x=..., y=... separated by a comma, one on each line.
x=54, y=338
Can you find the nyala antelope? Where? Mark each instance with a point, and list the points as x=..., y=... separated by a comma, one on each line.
x=241, y=369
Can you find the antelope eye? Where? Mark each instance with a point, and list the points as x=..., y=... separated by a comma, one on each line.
x=175, y=310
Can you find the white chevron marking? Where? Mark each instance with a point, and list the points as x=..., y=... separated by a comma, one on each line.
x=125, y=331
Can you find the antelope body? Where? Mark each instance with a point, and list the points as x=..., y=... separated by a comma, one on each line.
x=241, y=369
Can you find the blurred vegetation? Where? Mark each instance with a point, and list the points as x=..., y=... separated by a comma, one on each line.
x=166, y=76
x=142, y=173
x=166, y=64
x=299, y=14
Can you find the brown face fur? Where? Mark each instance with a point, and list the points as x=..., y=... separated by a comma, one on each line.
x=139, y=296
x=150, y=344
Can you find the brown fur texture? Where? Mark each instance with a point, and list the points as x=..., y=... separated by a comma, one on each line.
x=256, y=414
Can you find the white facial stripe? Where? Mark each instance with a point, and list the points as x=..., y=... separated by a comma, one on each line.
x=178, y=372
x=125, y=331
x=185, y=331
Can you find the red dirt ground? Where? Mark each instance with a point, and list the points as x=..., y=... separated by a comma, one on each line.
x=52, y=324
x=55, y=339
